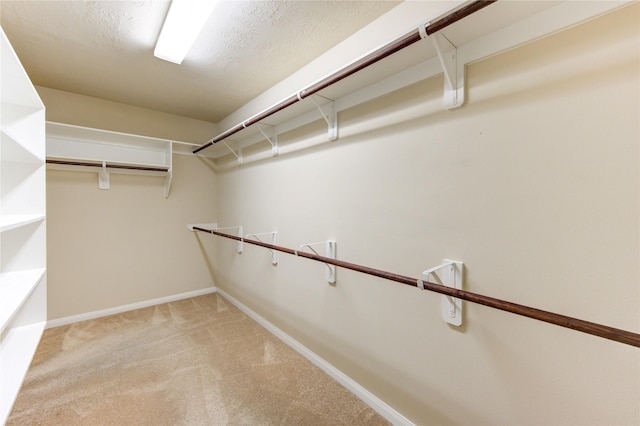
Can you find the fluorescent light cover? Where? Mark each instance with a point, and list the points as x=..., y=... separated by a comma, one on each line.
x=185, y=20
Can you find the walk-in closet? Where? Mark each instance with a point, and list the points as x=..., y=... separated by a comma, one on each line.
x=320, y=212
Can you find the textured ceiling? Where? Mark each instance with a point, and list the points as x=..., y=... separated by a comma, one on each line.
x=105, y=49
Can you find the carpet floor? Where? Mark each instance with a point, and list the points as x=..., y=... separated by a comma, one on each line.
x=197, y=361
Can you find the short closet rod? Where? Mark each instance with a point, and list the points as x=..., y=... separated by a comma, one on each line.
x=595, y=329
x=109, y=166
x=354, y=67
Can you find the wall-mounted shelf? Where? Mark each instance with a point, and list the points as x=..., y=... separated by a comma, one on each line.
x=101, y=151
x=17, y=129
x=23, y=287
x=15, y=290
x=8, y=222
x=501, y=26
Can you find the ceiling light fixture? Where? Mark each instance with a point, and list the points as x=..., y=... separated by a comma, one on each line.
x=183, y=23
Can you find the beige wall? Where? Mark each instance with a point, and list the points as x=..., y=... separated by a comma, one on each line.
x=128, y=244
x=81, y=110
x=534, y=184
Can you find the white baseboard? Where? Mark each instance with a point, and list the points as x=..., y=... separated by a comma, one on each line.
x=124, y=308
x=367, y=397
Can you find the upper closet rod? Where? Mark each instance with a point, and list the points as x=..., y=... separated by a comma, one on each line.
x=604, y=331
x=356, y=66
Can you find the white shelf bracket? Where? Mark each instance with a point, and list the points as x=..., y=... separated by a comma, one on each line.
x=454, y=72
x=330, y=252
x=239, y=234
x=169, y=177
x=331, y=117
x=238, y=154
x=273, y=139
x=103, y=177
x=167, y=183
x=274, y=241
x=450, y=274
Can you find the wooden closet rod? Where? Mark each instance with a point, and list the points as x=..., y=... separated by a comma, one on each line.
x=109, y=166
x=595, y=329
x=356, y=66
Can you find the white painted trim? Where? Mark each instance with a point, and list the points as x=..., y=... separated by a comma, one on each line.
x=124, y=308
x=367, y=397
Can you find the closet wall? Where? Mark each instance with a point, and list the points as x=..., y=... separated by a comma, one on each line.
x=128, y=244
x=533, y=184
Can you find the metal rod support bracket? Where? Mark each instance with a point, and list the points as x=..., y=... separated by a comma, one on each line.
x=167, y=183
x=103, y=177
x=273, y=139
x=330, y=252
x=454, y=72
x=239, y=234
x=330, y=116
x=450, y=274
x=422, y=30
x=274, y=241
x=238, y=154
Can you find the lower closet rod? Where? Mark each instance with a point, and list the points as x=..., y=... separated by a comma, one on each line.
x=595, y=329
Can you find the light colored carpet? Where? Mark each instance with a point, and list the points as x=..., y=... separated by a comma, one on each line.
x=198, y=361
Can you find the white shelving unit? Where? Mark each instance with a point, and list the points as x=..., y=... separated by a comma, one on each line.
x=23, y=286
x=100, y=151
x=86, y=144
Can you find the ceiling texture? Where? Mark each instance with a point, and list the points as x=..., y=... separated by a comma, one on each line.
x=104, y=49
